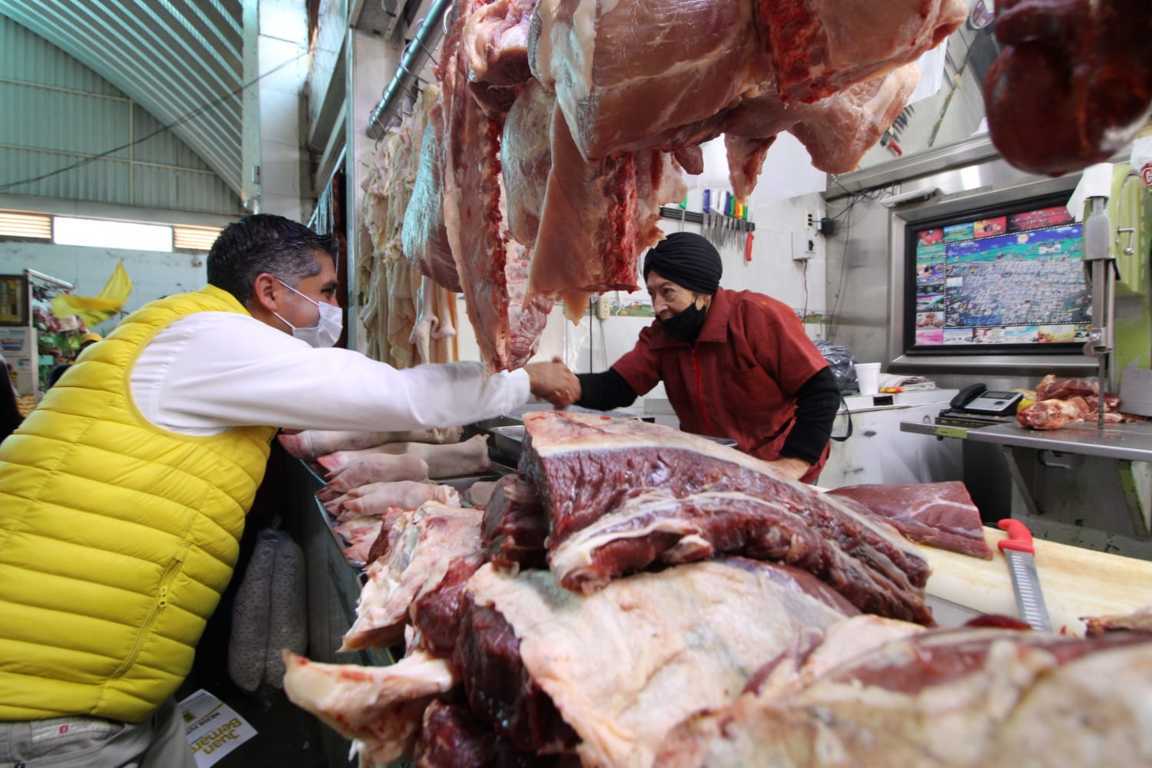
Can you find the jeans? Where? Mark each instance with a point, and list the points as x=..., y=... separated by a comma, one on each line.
x=82, y=742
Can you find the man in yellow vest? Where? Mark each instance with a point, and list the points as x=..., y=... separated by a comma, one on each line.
x=123, y=495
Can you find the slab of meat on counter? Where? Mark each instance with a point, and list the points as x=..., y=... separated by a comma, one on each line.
x=312, y=444
x=379, y=707
x=451, y=738
x=608, y=674
x=427, y=546
x=1140, y=621
x=453, y=460
x=958, y=698
x=937, y=514
x=515, y=525
x=1054, y=414
x=1053, y=387
x=624, y=495
x=375, y=499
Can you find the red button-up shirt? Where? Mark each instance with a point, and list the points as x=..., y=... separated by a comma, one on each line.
x=739, y=380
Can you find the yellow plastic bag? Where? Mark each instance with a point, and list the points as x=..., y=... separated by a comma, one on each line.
x=96, y=309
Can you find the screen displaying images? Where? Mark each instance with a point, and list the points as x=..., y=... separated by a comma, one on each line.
x=1011, y=279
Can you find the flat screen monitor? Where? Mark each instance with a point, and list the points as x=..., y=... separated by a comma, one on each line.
x=1001, y=279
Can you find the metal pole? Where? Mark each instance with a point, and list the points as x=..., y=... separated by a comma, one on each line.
x=407, y=68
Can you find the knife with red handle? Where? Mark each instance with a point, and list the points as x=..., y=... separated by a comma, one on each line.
x=1020, y=553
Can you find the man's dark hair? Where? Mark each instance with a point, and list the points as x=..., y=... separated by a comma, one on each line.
x=264, y=243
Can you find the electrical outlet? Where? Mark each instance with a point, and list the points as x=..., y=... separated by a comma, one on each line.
x=603, y=310
x=798, y=244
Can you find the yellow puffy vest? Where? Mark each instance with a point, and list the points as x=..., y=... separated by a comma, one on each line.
x=116, y=536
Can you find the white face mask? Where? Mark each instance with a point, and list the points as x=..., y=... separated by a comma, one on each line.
x=329, y=323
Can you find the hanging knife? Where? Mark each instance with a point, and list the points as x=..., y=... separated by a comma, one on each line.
x=1021, y=556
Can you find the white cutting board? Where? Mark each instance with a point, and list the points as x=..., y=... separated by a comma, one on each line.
x=1076, y=582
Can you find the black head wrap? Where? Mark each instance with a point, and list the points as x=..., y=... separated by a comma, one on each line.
x=687, y=259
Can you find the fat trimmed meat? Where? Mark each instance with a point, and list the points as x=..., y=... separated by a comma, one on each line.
x=940, y=515
x=625, y=664
x=427, y=546
x=967, y=697
x=623, y=496
x=379, y=707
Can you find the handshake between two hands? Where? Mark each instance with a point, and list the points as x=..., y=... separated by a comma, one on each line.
x=553, y=382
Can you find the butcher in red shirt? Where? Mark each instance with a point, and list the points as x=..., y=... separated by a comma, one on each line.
x=735, y=364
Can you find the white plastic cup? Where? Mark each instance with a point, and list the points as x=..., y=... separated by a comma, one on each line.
x=868, y=377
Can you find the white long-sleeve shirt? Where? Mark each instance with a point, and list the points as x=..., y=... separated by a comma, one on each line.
x=214, y=370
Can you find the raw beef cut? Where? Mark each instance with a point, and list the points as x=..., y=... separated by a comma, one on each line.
x=375, y=499
x=1072, y=84
x=374, y=468
x=473, y=214
x=1140, y=621
x=937, y=514
x=598, y=217
x=379, y=707
x=1053, y=414
x=493, y=268
x=453, y=460
x=424, y=238
x=495, y=42
x=818, y=48
x=1053, y=387
x=525, y=159
x=312, y=444
x=480, y=493
x=451, y=738
x=527, y=312
x=837, y=130
x=745, y=160
x=626, y=73
x=622, y=666
x=622, y=495
x=515, y=525
x=360, y=533
x=967, y=697
x=392, y=523
x=427, y=546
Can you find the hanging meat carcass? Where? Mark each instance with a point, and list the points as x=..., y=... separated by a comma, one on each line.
x=493, y=268
x=598, y=217
x=626, y=73
x=1073, y=82
x=819, y=48
x=836, y=130
x=423, y=237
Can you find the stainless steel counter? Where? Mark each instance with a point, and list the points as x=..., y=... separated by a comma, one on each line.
x=1078, y=485
x=1127, y=442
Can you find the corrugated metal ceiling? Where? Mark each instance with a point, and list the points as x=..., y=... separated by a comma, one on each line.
x=170, y=56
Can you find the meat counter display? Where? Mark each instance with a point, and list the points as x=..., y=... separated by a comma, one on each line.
x=560, y=618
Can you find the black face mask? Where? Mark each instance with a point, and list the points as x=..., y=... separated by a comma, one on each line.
x=686, y=324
